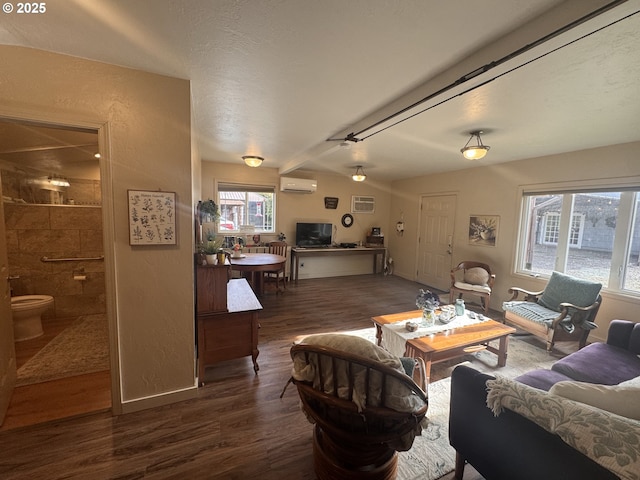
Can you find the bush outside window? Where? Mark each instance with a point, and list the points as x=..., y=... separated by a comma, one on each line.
x=591, y=234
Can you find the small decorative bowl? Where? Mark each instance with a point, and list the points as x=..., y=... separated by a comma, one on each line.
x=411, y=326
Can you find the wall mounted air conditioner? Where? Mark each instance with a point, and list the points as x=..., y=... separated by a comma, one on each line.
x=298, y=185
x=360, y=204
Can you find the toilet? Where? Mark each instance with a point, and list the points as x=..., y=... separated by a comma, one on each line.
x=27, y=311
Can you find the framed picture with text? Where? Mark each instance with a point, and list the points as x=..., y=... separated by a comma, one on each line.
x=152, y=217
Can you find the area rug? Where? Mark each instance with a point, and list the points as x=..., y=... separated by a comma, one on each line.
x=431, y=456
x=82, y=347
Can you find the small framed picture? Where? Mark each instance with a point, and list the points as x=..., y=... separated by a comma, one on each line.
x=483, y=230
x=152, y=217
x=375, y=231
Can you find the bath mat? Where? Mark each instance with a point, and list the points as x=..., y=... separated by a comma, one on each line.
x=82, y=347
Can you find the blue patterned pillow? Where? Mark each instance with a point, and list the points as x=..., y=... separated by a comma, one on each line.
x=564, y=288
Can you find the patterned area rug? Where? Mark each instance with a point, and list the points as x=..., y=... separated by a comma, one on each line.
x=431, y=456
x=82, y=347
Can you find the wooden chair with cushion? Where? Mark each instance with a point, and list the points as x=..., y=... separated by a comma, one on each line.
x=472, y=278
x=364, y=406
x=278, y=248
x=564, y=311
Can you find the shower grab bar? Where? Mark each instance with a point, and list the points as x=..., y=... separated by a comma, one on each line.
x=78, y=259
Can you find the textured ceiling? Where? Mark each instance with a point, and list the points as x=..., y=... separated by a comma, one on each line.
x=278, y=78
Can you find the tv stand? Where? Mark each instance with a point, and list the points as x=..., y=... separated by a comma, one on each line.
x=298, y=252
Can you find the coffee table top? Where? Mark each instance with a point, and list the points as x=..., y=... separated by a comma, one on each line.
x=461, y=337
x=449, y=338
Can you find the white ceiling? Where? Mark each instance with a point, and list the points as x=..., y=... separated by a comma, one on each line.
x=277, y=78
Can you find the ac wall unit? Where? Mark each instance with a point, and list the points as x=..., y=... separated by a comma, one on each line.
x=298, y=185
x=361, y=204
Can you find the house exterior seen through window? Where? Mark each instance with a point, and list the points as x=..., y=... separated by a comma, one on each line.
x=593, y=235
x=246, y=208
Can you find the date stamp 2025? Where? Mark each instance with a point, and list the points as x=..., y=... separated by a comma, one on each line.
x=25, y=7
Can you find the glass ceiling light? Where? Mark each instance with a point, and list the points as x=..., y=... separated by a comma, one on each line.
x=359, y=175
x=58, y=181
x=252, y=160
x=475, y=152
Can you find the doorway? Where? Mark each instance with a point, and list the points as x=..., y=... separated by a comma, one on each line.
x=53, y=233
x=435, y=247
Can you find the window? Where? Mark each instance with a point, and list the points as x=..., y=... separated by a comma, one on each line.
x=591, y=234
x=245, y=207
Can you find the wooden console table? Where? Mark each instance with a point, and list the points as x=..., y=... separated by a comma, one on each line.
x=232, y=333
x=298, y=252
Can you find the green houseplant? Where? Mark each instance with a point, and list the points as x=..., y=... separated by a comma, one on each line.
x=211, y=246
x=209, y=211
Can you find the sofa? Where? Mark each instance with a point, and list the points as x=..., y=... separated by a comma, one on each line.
x=536, y=425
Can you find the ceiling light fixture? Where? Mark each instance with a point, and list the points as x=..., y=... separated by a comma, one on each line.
x=58, y=181
x=475, y=152
x=359, y=175
x=253, y=160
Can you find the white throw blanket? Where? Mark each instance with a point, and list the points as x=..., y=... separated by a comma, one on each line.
x=608, y=439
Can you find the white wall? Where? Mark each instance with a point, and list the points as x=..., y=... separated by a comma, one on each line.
x=145, y=119
x=493, y=190
x=309, y=207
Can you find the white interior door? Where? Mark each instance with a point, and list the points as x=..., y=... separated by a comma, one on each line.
x=437, y=215
x=7, y=348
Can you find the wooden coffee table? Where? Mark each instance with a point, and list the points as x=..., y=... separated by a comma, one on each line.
x=452, y=343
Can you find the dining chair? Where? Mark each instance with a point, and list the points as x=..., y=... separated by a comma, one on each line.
x=472, y=278
x=278, y=248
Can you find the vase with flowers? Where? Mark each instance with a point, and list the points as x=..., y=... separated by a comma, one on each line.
x=428, y=302
x=236, y=251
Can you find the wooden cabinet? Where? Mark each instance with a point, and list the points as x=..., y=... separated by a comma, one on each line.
x=211, y=291
x=229, y=333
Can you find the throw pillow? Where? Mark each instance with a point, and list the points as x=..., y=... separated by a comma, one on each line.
x=565, y=288
x=619, y=399
x=476, y=276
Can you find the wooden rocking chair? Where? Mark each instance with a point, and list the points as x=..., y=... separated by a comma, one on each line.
x=357, y=434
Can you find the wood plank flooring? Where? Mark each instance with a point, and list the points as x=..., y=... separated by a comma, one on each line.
x=57, y=399
x=237, y=427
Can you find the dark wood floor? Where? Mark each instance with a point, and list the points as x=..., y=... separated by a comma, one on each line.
x=237, y=427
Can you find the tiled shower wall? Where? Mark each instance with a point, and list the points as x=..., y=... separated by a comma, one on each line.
x=36, y=231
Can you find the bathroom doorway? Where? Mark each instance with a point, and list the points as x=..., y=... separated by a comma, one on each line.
x=53, y=222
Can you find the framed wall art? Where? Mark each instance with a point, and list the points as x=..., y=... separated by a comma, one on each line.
x=483, y=230
x=152, y=217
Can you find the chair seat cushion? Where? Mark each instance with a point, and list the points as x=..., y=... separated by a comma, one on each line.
x=474, y=288
x=531, y=311
x=542, y=378
x=567, y=289
x=599, y=363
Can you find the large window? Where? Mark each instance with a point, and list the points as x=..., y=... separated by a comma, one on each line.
x=246, y=207
x=591, y=234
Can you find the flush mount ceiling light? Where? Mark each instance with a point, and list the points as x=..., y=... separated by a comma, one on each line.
x=475, y=152
x=58, y=181
x=253, y=160
x=359, y=175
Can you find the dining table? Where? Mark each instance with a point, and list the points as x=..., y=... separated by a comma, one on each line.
x=254, y=265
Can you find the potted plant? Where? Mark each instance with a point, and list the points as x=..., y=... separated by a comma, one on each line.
x=209, y=211
x=211, y=247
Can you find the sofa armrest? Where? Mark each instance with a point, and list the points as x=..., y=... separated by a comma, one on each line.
x=624, y=334
x=509, y=446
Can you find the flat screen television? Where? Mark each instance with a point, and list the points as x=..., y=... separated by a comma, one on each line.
x=313, y=234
